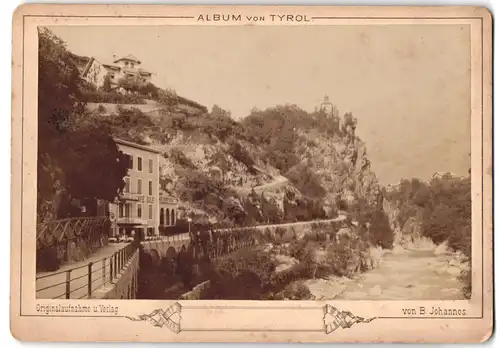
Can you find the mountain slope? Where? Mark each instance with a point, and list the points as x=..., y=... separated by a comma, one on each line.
x=277, y=165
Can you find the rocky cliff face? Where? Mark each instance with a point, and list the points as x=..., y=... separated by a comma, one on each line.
x=342, y=166
x=392, y=211
x=408, y=232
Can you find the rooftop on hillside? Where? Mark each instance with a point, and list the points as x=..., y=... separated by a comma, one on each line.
x=135, y=145
x=128, y=57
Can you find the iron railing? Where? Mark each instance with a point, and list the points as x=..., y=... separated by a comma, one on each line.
x=56, y=239
x=81, y=282
x=60, y=231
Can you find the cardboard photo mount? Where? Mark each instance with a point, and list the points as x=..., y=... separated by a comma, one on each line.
x=35, y=319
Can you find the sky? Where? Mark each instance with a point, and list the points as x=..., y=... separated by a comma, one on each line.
x=408, y=85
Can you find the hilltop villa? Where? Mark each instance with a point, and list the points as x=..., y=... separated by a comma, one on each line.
x=95, y=72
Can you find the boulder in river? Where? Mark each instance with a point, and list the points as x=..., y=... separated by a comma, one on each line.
x=441, y=249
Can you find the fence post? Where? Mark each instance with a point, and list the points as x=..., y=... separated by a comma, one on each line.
x=115, y=260
x=111, y=269
x=89, y=285
x=68, y=284
x=104, y=271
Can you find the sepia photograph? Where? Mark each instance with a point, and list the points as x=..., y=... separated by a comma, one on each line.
x=257, y=158
x=320, y=185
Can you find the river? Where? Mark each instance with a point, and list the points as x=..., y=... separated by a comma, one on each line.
x=404, y=275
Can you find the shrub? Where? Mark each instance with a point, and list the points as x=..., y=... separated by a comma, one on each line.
x=295, y=291
x=101, y=108
x=290, y=235
x=47, y=259
x=344, y=258
x=308, y=260
x=268, y=235
x=280, y=232
x=111, y=98
x=178, y=157
x=243, y=275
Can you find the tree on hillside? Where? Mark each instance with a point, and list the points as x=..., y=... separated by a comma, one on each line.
x=448, y=214
x=131, y=83
x=76, y=157
x=380, y=232
x=167, y=97
x=276, y=129
x=220, y=123
x=306, y=181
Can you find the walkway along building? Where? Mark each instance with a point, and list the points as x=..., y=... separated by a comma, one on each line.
x=138, y=206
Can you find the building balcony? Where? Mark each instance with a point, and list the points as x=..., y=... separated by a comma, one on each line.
x=128, y=196
x=127, y=220
x=137, y=197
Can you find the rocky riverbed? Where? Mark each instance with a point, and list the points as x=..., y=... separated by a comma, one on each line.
x=403, y=274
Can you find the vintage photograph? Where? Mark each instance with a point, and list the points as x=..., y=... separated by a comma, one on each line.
x=251, y=174
x=304, y=163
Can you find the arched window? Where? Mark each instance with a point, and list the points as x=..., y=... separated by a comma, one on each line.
x=162, y=217
x=168, y=217
x=172, y=220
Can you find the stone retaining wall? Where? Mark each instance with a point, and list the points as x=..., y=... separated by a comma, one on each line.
x=125, y=284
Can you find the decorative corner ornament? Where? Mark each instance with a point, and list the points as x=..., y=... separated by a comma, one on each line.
x=170, y=318
x=333, y=319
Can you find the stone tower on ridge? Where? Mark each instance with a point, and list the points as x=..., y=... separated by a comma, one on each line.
x=330, y=110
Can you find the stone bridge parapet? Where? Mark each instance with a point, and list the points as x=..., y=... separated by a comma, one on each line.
x=219, y=242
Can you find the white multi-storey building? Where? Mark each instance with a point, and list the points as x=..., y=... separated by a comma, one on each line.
x=140, y=207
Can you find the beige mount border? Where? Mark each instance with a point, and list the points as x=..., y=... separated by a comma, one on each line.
x=243, y=321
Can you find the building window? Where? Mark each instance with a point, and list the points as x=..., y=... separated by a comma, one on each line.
x=150, y=188
x=139, y=210
x=139, y=186
x=127, y=210
x=172, y=220
x=151, y=231
x=151, y=166
x=121, y=210
x=150, y=211
x=139, y=164
x=167, y=213
x=126, y=189
x=131, y=162
x=162, y=217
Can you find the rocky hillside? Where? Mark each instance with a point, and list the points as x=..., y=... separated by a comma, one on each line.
x=325, y=161
x=277, y=165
